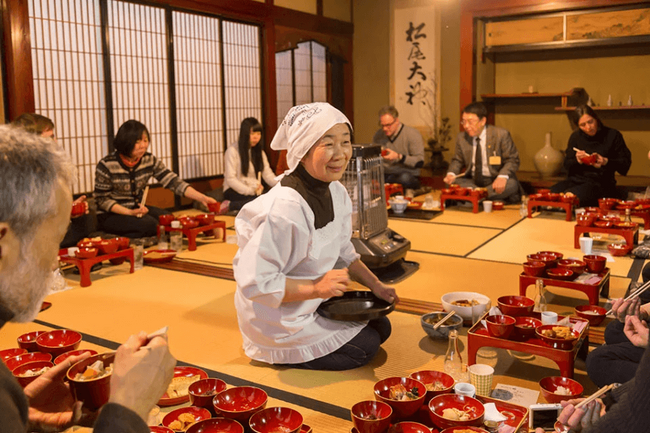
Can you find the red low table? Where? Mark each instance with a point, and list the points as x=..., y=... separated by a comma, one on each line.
x=567, y=206
x=192, y=233
x=467, y=198
x=84, y=265
x=592, y=291
x=478, y=337
x=631, y=235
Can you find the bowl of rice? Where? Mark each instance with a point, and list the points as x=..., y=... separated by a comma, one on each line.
x=556, y=389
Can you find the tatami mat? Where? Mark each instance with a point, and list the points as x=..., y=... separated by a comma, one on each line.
x=463, y=216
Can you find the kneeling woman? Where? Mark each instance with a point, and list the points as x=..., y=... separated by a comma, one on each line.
x=120, y=180
x=295, y=251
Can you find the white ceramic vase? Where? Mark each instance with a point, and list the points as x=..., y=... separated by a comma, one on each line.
x=548, y=160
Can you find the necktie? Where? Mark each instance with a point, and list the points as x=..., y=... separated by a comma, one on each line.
x=479, y=180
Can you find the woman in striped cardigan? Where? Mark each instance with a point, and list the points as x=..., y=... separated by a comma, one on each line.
x=120, y=180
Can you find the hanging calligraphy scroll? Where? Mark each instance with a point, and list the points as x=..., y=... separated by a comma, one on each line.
x=416, y=69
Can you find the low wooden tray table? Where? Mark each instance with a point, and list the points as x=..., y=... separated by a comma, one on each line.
x=478, y=337
x=84, y=265
x=192, y=233
x=567, y=206
x=466, y=198
x=631, y=235
x=592, y=291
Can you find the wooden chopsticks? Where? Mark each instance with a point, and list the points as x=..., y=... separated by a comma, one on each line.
x=636, y=292
x=144, y=196
x=445, y=318
x=596, y=395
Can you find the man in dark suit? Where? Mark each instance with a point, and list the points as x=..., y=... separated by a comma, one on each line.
x=498, y=158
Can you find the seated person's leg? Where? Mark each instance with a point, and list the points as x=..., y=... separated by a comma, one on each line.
x=510, y=193
x=408, y=181
x=354, y=354
x=562, y=186
x=464, y=181
x=156, y=212
x=645, y=274
x=128, y=226
x=587, y=194
x=613, y=363
x=79, y=229
x=237, y=201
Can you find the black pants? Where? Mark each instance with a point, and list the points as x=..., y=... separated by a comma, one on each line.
x=356, y=353
x=130, y=226
x=237, y=201
x=587, y=192
x=79, y=228
x=406, y=179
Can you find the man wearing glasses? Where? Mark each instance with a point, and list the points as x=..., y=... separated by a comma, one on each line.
x=488, y=155
x=402, y=150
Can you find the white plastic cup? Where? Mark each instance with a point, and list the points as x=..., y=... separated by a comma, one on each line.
x=586, y=244
x=487, y=205
x=465, y=389
x=549, y=317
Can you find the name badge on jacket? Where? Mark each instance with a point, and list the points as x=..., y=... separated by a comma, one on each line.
x=495, y=160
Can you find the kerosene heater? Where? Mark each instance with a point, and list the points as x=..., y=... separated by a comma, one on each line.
x=381, y=249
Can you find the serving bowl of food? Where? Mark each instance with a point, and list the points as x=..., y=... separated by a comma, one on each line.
x=29, y=372
x=498, y=205
x=515, y=305
x=202, y=392
x=182, y=418
x=436, y=382
x=561, y=274
x=57, y=342
x=430, y=319
x=90, y=379
x=398, y=205
x=595, y=263
x=86, y=252
x=626, y=225
x=22, y=359
x=560, y=337
x=216, y=425
x=603, y=223
x=28, y=340
x=575, y=265
x=469, y=305
x=276, y=419
x=500, y=326
x=371, y=416
x=525, y=326
x=178, y=390
x=240, y=403
x=594, y=314
x=415, y=204
x=568, y=197
x=108, y=246
x=451, y=410
x=404, y=394
x=556, y=389
x=607, y=203
x=205, y=219
x=62, y=357
x=161, y=429
x=616, y=249
x=585, y=219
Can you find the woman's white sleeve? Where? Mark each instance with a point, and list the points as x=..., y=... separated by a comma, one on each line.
x=232, y=173
x=267, y=173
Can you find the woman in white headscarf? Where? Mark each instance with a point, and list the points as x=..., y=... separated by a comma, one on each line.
x=295, y=251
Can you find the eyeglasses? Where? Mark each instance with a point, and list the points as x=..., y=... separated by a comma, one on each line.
x=470, y=122
x=388, y=125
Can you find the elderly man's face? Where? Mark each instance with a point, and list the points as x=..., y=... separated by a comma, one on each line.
x=27, y=267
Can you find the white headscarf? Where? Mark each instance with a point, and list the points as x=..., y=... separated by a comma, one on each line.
x=302, y=127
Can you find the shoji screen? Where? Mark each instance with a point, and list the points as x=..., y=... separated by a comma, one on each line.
x=284, y=82
x=140, y=82
x=68, y=79
x=197, y=62
x=319, y=71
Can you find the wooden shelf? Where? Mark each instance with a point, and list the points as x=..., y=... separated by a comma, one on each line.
x=618, y=107
x=562, y=95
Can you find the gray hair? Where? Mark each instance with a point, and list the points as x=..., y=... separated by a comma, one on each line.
x=389, y=110
x=30, y=169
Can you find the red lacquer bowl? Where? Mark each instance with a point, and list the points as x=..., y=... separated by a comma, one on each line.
x=93, y=393
x=619, y=249
x=554, y=197
x=276, y=419
x=610, y=218
x=603, y=224
x=429, y=379
x=86, y=252
x=28, y=340
x=585, y=220
x=189, y=223
x=166, y=219
x=122, y=242
x=466, y=429
x=548, y=260
x=607, y=203
x=57, y=342
x=17, y=361
x=594, y=314
x=578, y=267
x=568, y=197
x=409, y=427
x=500, y=326
x=498, y=205
x=11, y=352
x=20, y=373
x=461, y=191
x=557, y=255
x=595, y=263
x=534, y=268
x=161, y=429
x=181, y=371
x=559, y=343
x=371, y=416
x=199, y=414
x=216, y=424
x=460, y=402
x=305, y=428
x=589, y=160
x=205, y=219
x=447, y=191
x=549, y=386
x=240, y=403
x=561, y=274
x=525, y=326
x=59, y=359
x=515, y=305
x=626, y=225
x=626, y=204
x=107, y=247
x=202, y=392
x=401, y=409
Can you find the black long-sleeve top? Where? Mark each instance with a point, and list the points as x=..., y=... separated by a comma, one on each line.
x=607, y=142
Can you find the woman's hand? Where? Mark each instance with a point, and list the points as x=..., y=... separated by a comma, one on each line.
x=259, y=190
x=581, y=419
x=384, y=292
x=139, y=212
x=600, y=161
x=622, y=309
x=51, y=405
x=332, y=284
x=580, y=155
x=636, y=331
x=80, y=199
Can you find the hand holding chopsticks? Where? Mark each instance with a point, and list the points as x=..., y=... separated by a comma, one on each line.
x=144, y=199
x=445, y=318
x=600, y=392
x=632, y=295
